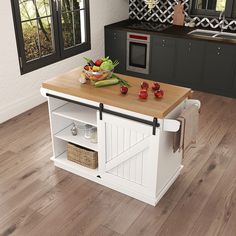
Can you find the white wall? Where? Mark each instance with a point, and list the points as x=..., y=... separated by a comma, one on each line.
x=19, y=93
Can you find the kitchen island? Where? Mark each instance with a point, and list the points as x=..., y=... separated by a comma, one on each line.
x=134, y=136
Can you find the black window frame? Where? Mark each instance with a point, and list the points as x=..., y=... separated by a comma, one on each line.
x=60, y=53
x=211, y=13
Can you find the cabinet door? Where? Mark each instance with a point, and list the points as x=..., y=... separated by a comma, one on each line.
x=189, y=62
x=129, y=153
x=115, y=47
x=234, y=92
x=162, y=59
x=219, y=69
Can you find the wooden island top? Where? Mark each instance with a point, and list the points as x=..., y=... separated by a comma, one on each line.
x=68, y=83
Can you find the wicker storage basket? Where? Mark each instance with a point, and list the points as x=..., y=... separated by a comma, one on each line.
x=82, y=156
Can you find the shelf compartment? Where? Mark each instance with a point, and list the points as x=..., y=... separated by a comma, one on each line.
x=62, y=162
x=66, y=135
x=77, y=113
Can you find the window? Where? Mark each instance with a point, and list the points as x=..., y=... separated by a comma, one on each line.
x=48, y=31
x=212, y=7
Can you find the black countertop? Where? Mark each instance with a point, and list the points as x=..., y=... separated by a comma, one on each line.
x=171, y=31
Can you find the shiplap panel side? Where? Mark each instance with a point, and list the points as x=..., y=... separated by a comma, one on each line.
x=121, y=132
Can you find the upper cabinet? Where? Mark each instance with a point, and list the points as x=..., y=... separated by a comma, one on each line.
x=234, y=10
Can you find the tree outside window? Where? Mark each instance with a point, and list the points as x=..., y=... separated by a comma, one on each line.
x=50, y=29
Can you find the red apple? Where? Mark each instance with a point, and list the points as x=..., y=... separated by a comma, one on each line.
x=155, y=86
x=144, y=85
x=124, y=89
x=159, y=93
x=143, y=94
x=98, y=62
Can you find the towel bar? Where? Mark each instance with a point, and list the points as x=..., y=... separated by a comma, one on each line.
x=190, y=102
x=171, y=125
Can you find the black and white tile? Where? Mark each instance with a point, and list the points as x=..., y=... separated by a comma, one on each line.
x=164, y=10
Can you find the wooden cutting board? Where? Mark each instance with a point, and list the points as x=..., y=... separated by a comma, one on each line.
x=178, y=18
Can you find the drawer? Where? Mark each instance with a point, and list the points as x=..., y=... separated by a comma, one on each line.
x=163, y=41
x=221, y=49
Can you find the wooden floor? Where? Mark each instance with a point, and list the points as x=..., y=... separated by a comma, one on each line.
x=38, y=199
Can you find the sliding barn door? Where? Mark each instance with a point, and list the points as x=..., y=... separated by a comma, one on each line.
x=129, y=156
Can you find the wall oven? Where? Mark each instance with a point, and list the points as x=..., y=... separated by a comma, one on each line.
x=138, y=52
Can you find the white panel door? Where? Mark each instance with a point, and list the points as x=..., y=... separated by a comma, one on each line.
x=129, y=156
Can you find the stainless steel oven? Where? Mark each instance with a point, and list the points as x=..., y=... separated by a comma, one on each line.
x=138, y=52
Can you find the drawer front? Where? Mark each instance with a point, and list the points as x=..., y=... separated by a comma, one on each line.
x=163, y=42
x=115, y=34
x=221, y=49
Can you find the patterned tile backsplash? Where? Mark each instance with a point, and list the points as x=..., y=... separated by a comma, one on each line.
x=164, y=10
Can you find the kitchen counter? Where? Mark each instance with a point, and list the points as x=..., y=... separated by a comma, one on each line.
x=172, y=31
x=68, y=83
x=175, y=57
x=134, y=150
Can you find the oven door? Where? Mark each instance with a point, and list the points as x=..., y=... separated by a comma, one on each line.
x=138, y=54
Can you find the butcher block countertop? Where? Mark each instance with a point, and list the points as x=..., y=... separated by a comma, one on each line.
x=68, y=83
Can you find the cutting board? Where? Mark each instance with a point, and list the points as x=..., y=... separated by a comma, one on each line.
x=178, y=18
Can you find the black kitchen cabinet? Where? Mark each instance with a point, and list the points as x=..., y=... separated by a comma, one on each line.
x=189, y=62
x=219, y=68
x=162, y=58
x=234, y=90
x=115, y=47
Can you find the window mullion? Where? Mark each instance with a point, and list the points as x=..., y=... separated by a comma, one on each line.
x=73, y=25
x=36, y=18
x=58, y=13
x=38, y=37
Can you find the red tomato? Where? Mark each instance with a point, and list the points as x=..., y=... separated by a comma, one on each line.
x=159, y=93
x=143, y=94
x=144, y=85
x=155, y=86
x=124, y=89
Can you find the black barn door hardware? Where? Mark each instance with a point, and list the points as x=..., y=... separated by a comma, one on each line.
x=72, y=101
x=101, y=109
x=153, y=123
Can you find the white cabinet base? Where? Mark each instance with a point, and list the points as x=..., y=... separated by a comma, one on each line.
x=90, y=174
x=131, y=159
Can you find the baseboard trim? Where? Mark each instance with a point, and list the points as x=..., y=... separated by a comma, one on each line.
x=19, y=106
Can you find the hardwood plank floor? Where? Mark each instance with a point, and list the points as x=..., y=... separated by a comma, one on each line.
x=37, y=198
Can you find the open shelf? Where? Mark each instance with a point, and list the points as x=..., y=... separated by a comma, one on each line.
x=77, y=113
x=66, y=135
x=62, y=162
